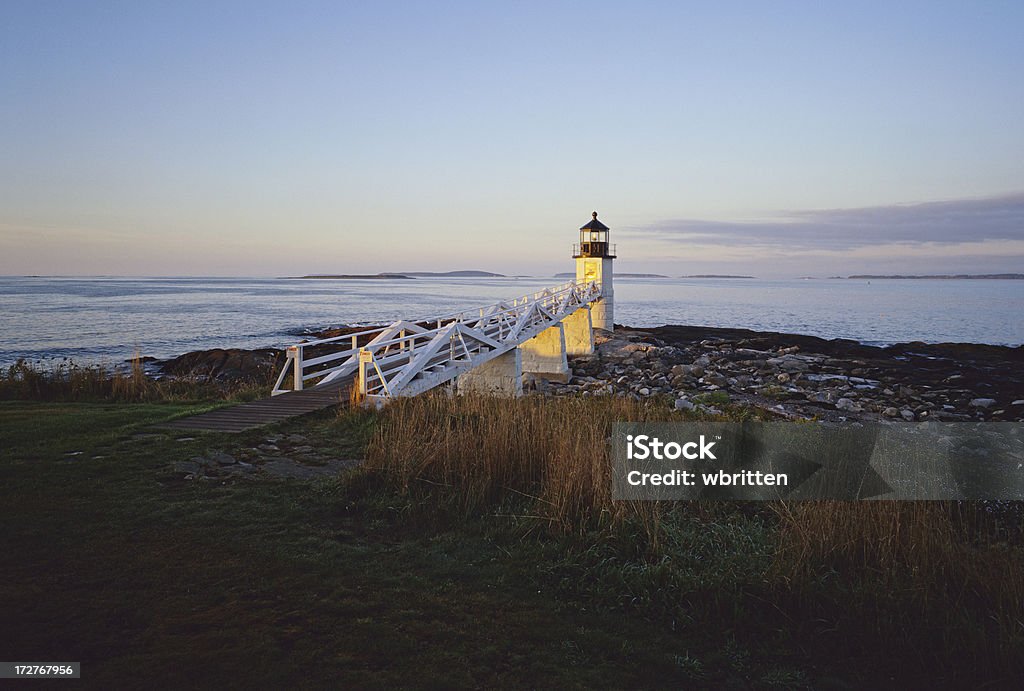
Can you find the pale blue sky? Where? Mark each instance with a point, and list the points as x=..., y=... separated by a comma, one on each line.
x=280, y=138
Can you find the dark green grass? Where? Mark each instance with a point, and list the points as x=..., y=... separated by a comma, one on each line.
x=113, y=560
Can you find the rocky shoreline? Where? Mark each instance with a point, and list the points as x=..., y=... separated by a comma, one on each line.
x=791, y=375
x=803, y=377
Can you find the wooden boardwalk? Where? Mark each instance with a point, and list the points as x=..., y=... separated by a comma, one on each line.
x=266, y=411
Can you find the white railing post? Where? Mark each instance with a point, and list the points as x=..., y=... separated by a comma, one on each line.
x=295, y=353
x=365, y=359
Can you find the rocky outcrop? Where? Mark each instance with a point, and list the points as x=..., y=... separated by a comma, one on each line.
x=802, y=376
x=233, y=364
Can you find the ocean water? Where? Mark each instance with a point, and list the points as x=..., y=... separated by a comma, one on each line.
x=108, y=319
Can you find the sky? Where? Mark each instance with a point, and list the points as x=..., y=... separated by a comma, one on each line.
x=283, y=138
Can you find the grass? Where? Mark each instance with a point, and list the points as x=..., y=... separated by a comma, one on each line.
x=712, y=398
x=927, y=578
x=477, y=450
x=915, y=567
x=121, y=564
x=477, y=547
x=67, y=381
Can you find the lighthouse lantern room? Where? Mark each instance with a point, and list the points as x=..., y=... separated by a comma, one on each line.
x=594, y=257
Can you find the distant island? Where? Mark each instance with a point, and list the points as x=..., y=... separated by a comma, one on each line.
x=715, y=276
x=407, y=275
x=356, y=276
x=452, y=274
x=947, y=277
x=569, y=274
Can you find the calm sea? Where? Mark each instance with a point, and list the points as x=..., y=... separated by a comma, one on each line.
x=106, y=320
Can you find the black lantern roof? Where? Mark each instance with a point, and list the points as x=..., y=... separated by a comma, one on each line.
x=594, y=224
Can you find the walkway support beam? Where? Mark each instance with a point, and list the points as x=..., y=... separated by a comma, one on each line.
x=579, y=332
x=544, y=355
x=500, y=376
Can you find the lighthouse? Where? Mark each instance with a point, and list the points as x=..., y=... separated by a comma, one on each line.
x=594, y=257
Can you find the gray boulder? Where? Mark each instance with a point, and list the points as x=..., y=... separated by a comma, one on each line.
x=848, y=405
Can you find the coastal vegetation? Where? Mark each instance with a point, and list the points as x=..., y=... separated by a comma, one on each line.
x=922, y=578
x=67, y=381
x=477, y=545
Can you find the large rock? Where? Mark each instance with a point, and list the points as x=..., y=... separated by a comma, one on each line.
x=828, y=396
x=680, y=370
x=231, y=364
x=716, y=379
x=791, y=363
x=223, y=458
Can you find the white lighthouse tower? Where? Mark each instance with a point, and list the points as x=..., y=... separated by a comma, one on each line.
x=594, y=257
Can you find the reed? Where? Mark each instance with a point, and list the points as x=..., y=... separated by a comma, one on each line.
x=132, y=385
x=478, y=451
x=934, y=575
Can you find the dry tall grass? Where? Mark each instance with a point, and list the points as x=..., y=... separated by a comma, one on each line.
x=921, y=572
x=889, y=538
x=925, y=545
x=67, y=381
x=926, y=554
x=556, y=452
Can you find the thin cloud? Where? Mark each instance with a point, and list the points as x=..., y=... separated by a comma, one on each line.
x=951, y=222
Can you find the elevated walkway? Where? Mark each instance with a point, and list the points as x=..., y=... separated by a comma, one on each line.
x=487, y=350
x=407, y=358
x=246, y=416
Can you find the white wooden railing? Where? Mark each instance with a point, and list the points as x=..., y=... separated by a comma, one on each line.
x=407, y=358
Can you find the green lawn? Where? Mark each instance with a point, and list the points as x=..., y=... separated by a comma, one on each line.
x=112, y=559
